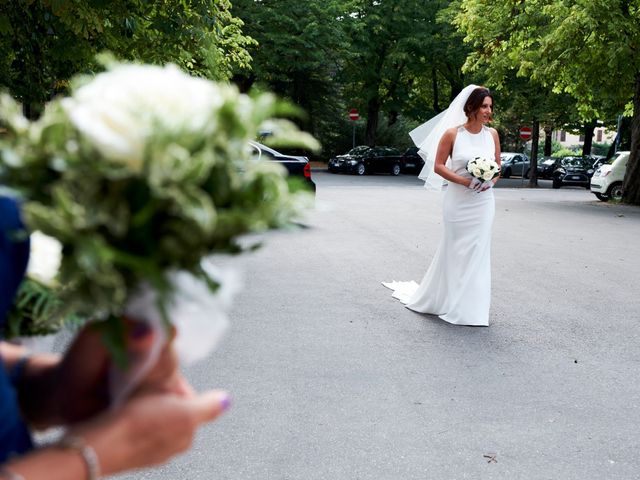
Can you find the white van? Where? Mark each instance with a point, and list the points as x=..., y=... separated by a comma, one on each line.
x=607, y=180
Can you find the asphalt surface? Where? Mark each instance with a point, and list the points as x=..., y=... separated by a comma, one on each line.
x=333, y=379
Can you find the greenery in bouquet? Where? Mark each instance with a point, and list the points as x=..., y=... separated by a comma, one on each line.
x=143, y=170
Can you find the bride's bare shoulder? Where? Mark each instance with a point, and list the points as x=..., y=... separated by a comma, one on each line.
x=450, y=132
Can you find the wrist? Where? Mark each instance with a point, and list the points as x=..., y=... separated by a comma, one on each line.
x=86, y=452
x=51, y=463
x=108, y=437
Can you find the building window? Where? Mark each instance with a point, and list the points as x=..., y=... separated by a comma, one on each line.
x=599, y=136
x=581, y=138
x=563, y=136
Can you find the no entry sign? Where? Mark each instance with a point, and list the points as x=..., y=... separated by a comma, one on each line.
x=525, y=133
x=353, y=114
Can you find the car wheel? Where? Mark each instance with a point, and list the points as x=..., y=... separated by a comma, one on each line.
x=556, y=183
x=615, y=192
x=601, y=197
x=396, y=169
x=506, y=173
x=361, y=170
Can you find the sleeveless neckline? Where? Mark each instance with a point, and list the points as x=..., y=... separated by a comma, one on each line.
x=484, y=127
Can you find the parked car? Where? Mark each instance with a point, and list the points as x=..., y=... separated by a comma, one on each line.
x=297, y=166
x=363, y=159
x=411, y=161
x=514, y=164
x=546, y=166
x=573, y=171
x=607, y=180
x=596, y=161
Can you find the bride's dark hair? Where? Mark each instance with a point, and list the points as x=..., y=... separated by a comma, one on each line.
x=475, y=100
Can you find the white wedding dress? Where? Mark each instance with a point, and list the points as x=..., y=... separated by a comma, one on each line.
x=457, y=285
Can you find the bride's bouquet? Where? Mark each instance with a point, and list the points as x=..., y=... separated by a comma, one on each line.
x=139, y=176
x=483, y=169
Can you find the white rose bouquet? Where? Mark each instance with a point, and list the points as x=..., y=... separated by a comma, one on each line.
x=483, y=169
x=140, y=175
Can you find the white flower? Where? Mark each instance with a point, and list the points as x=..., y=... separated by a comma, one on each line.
x=477, y=172
x=487, y=175
x=44, y=258
x=119, y=110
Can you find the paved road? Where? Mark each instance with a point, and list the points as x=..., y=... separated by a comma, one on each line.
x=333, y=379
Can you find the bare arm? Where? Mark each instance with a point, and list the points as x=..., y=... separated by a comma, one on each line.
x=148, y=430
x=445, y=147
x=496, y=140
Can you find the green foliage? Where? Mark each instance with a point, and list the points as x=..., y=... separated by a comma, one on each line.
x=36, y=311
x=46, y=42
x=299, y=51
x=396, y=45
x=566, y=152
x=563, y=45
x=388, y=59
x=600, y=148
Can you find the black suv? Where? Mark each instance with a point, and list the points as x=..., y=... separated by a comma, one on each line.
x=573, y=171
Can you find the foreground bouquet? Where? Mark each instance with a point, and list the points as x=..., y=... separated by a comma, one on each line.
x=483, y=169
x=141, y=174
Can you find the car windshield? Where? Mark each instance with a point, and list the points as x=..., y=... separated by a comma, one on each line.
x=575, y=162
x=614, y=158
x=358, y=150
x=549, y=161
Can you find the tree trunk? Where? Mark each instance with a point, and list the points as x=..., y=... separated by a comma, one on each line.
x=533, y=162
x=632, y=177
x=373, y=110
x=434, y=79
x=588, y=137
x=393, y=117
x=547, y=141
x=456, y=88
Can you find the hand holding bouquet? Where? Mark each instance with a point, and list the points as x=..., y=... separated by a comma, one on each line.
x=484, y=170
x=140, y=175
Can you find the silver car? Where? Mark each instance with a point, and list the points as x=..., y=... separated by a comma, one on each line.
x=514, y=164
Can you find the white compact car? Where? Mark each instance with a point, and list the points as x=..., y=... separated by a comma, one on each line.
x=607, y=180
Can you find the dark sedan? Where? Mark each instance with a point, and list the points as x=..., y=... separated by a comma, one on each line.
x=575, y=171
x=546, y=167
x=362, y=160
x=298, y=167
x=411, y=161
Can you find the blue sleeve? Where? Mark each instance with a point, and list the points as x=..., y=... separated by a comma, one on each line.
x=14, y=253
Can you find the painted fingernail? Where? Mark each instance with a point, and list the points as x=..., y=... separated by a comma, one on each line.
x=225, y=402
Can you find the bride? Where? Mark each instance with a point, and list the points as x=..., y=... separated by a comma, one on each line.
x=457, y=285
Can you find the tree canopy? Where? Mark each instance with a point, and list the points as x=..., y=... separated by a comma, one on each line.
x=585, y=48
x=48, y=41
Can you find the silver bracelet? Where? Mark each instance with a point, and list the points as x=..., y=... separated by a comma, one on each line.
x=86, y=451
x=7, y=474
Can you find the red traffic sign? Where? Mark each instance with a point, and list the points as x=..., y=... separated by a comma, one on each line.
x=353, y=114
x=525, y=133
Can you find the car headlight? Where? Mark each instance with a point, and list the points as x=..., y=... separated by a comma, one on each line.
x=589, y=172
x=352, y=162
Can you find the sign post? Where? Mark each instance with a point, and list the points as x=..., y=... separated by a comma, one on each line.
x=353, y=116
